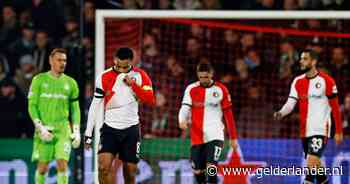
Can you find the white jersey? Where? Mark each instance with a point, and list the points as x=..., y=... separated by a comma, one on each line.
x=207, y=105
x=118, y=100
x=313, y=95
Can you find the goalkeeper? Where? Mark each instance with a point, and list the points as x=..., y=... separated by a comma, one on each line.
x=53, y=100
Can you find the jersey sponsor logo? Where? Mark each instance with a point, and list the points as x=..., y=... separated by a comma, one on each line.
x=53, y=95
x=201, y=104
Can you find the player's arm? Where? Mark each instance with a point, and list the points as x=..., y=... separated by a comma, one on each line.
x=226, y=106
x=288, y=107
x=33, y=101
x=75, y=114
x=332, y=95
x=144, y=92
x=95, y=112
x=184, y=115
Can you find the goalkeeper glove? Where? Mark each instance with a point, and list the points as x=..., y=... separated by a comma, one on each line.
x=76, y=136
x=45, y=133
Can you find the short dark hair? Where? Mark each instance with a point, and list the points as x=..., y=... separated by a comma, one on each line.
x=313, y=54
x=58, y=50
x=124, y=53
x=204, y=66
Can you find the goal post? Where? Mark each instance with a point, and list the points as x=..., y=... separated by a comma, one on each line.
x=185, y=17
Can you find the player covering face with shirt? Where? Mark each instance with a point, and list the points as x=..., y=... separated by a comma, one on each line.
x=118, y=92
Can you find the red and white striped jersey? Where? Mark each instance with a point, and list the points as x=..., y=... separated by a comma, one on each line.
x=120, y=100
x=314, y=96
x=207, y=105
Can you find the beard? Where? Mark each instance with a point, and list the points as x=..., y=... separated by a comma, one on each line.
x=305, y=69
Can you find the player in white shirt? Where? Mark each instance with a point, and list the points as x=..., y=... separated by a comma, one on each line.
x=316, y=93
x=118, y=92
x=204, y=105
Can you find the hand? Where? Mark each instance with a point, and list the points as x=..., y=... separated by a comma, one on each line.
x=338, y=138
x=76, y=136
x=87, y=142
x=127, y=80
x=183, y=125
x=45, y=133
x=277, y=116
x=234, y=144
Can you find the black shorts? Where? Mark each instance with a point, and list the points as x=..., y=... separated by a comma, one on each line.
x=314, y=145
x=124, y=142
x=209, y=152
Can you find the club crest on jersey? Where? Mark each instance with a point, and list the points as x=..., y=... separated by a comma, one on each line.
x=215, y=94
x=318, y=85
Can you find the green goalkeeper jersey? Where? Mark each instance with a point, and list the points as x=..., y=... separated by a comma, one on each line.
x=54, y=101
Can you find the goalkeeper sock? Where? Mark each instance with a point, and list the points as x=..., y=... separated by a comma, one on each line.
x=39, y=178
x=62, y=178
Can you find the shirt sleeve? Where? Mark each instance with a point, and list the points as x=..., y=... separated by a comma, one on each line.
x=187, y=100
x=99, y=91
x=293, y=91
x=33, y=99
x=226, y=99
x=96, y=110
x=74, y=103
x=332, y=95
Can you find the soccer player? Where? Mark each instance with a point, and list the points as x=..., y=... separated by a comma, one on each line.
x=53, y=103
x=316, y=93
x=204, y=104
x=118, y=92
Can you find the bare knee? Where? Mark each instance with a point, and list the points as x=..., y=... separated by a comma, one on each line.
x=105, y=163
x=129, y=170
x=313, y=161
x=43, y=167
x=198, y=171
x=62, y=165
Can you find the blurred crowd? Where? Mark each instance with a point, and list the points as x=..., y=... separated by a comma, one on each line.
x=256, y=67
x=28, y=32
x=227, y=4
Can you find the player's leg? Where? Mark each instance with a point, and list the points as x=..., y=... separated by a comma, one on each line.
x=115, y=167
x=129, y=153
x=314, y=149
x=198, y=162
x=63, y=149
x=105, y=161
x=41, y=172
x=108, y=148
x=129, y=172
x=62, y=174
x=43, y=154
x=213, y=152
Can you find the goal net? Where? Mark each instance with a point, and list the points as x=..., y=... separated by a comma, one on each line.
x=256, y=55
